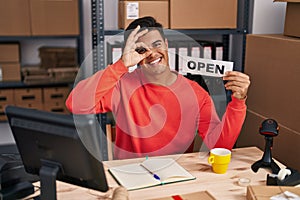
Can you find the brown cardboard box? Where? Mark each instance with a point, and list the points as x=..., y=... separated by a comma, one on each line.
x=28, y=96
x=292, y=18
x=203, y=14
x=33, y=105
x=59, y=17
x=272, y=61
x=6, y=98
x=272, y=64
x=63, y=74
x=10, y=72
x=52, y=57
x=266, y=192
x=59, y=107
x=2, y=111
x=141, y=8
x=35, y=75
x=54, y=99
x=14, y=18
x=55, y=94
x=284, y=145
x=9, y=53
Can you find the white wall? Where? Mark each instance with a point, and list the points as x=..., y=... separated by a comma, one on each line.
x=268, y=17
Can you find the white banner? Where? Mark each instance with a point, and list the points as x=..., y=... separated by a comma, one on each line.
x=206, y=67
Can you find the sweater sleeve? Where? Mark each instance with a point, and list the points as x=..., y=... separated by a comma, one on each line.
x=223, y=133
x=93, y=95
x=232, y=123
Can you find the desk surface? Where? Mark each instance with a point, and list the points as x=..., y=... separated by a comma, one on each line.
x=221, y=186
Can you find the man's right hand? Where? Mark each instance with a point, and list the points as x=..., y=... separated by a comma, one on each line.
x=130, y=56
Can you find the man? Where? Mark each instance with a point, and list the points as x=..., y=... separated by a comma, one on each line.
x=157, y=111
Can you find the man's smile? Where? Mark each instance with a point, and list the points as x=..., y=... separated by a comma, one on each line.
x=154, y=62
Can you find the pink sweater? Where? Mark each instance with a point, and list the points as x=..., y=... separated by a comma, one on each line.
x=153, y=119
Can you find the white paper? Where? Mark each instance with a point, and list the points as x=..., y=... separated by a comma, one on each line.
x=116, y=54
x=182, y=53
x=132, y=9
x=207, y=67
x=195, y=52
x=172, y=58
x=219, y=53
x=285, y=196
x=207, y=52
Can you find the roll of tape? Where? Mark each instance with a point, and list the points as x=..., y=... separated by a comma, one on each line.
x=283, y=173
x=244, y=182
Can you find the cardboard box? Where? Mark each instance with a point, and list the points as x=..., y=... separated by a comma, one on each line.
x=6, y=98
x=130, y=10
x=203, y=14
x=2, y=112
x=56, y=17
x=272, y=62
x=63, y=75
x=284, y=145
x=28, y=96
x=9, y=53
x=10, y=72
x=14, y=18
x=265, y=192
x=37, y=105
x=55, y=94
x=52, y=57
x=292, y=18
x=58, y=107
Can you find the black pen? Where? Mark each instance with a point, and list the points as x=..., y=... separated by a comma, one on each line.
x=154, y=175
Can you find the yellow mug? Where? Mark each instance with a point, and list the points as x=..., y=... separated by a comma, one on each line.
x=219, y=158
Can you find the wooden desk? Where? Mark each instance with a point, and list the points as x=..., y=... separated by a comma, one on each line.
x=221, y=186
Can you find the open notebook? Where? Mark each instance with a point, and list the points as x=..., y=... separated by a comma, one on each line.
x=151, y=172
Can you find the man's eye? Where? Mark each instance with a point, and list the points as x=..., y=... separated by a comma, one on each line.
x=156, y=45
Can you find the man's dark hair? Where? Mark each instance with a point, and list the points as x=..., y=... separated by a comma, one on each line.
x=147, y=22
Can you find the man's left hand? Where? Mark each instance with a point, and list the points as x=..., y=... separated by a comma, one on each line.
x=238, y=83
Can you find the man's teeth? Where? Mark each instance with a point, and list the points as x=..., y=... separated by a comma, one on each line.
x=155, y=61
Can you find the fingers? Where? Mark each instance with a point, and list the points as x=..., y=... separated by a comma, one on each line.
x=234, y=77
x=238, y=83
x=140, y=34
x=231, y=75
x=135, y=34
x=135, y=51
x=133, y=38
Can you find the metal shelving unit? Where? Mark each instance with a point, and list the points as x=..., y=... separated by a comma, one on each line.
x=79, y=43
x=232, y=38
x=98, y=48
x=98, y=34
